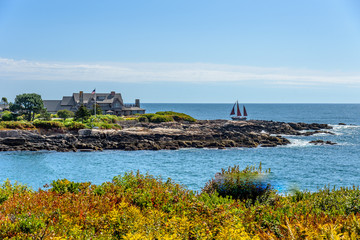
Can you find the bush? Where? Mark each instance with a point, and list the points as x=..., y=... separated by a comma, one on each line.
x=178, y=116
x=65, y=186
x=106, y=118
x=48, y=124
x=22, y=125
x=167, y=116
x=161, y=118
x=74, y=125
x=19, y=118
x=7, y=116
x=137, y=206
x=8, y=189
x=143, y=119
x=147, y=115
x=247, y=184
x=64, y=114
x=44, y=115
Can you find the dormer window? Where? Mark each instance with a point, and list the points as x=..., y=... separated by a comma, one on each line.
x=100, y=98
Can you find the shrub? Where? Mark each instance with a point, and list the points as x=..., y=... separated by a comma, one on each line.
x=148, y=115
x=247, y=184
x=22, y=125
x=161, y=118
x=48, y=124
x=64, y=114
x=106, y=118
x=147, y=191
x=7, y=116
x=45, y=115
x=19, y=118
x=178, y=116
x=74, y=125
x=143, y=119
x=138, y=206
x=63, y=186
x=8, y=189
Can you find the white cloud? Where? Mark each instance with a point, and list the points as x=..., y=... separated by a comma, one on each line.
x=167, y=72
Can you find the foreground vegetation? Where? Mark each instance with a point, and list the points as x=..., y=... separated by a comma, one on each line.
x=137, y=206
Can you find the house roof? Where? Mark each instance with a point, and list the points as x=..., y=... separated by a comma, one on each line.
x=52, y=105
x=107, y=97
x=67, y=100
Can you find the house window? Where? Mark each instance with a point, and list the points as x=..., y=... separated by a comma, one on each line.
x=100, y=98
x=116, y=104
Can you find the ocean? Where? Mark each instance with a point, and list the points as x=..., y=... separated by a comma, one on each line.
x=299, y=165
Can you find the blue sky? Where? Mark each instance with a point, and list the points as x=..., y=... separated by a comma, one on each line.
x=183, y=51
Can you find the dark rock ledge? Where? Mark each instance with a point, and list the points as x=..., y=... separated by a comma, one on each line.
x=149, y=136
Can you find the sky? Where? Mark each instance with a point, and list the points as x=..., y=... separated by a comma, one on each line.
x=183, y=51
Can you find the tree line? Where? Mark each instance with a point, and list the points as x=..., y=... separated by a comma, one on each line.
x=29, y=104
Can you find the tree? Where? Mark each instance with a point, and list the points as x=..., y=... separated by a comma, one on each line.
x=29, y=104
x=82, y=113
x=64, y=114
x=4, y=102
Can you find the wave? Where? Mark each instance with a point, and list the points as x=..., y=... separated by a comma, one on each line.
x=345, y=129
x=298, y=143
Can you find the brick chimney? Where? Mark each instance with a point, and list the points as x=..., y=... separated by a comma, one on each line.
x=137, y=102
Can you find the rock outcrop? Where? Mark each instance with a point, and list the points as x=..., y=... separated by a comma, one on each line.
x=322, y=142
x=150, y=136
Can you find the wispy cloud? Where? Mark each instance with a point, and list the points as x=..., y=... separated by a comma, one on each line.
x=11, y=69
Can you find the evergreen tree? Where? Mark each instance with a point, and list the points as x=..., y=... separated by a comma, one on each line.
x=82, y=113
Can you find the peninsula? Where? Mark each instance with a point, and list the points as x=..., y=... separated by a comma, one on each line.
x=135, y=135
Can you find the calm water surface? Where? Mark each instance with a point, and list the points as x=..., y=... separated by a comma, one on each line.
x=299, y=164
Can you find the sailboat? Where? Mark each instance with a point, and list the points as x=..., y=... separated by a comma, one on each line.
x=238, y=116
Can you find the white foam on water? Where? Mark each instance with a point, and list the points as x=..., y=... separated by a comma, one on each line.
x=320, y=134
x=344, y=129
x=298, y=143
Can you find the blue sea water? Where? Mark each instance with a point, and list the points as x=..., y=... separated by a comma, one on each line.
x=300, y=164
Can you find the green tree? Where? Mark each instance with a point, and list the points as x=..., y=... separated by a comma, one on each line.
x=28, y=104
x=4, y=102
x=82, y=113
x=64, y=114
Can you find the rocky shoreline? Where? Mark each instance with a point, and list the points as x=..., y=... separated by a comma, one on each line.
x=156, y=136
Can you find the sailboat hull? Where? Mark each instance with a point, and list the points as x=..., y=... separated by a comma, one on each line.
x=236, y=118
